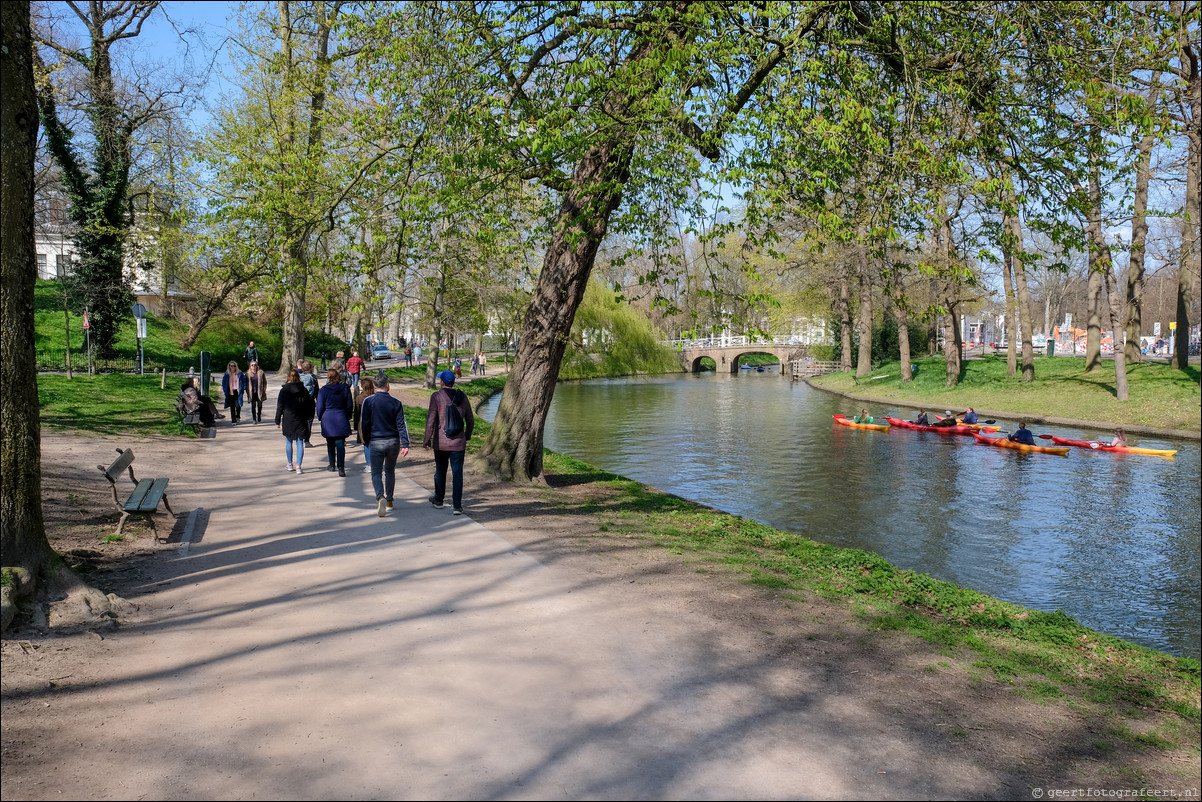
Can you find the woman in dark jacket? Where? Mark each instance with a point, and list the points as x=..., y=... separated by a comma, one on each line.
x=334, y=411
x=293, y=411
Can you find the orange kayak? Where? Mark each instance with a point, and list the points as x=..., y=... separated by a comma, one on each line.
x=876, y=427
x=1006, y=442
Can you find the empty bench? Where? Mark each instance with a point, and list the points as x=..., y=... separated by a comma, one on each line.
x=146, y=495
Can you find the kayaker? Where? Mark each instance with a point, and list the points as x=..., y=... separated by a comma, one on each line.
x=922, y=420
x=1120, y=438
x=863, y=417
x=950, y=420
x=970, y=416
x=1023, y=435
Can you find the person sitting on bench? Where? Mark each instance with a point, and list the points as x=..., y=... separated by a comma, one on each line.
x=193, y=401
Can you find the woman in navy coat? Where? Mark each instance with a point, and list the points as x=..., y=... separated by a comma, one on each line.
x=335, y=408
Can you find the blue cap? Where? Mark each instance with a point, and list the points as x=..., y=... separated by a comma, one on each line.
x=447, y=377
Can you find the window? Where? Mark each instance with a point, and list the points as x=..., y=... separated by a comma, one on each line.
x=42, y=265
x=60, y=265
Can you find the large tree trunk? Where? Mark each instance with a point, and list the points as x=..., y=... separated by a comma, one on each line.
x=844, y=311
x=903, y=325
x=1133, y=325
x=1191, y=256
x=24, y=534
x=1093, y=309
x=294, y=309
x=1025, y=318
x=1008, y=258
x=514, y=447
x=864, y=274
x=1103, y=266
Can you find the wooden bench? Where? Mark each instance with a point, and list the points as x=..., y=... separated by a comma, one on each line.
x=146, y=495
x=187, y=418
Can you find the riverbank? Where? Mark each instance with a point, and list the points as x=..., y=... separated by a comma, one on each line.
x=923, y=677
x=1162, y=400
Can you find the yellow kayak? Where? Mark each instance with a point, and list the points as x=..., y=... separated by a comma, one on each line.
x=846, y=421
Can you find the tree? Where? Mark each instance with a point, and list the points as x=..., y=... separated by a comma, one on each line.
x=24, y=534
x=116, y=108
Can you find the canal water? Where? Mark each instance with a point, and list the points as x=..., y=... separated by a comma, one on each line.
x=1111, y=539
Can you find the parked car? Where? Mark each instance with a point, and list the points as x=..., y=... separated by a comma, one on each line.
x=381, y=351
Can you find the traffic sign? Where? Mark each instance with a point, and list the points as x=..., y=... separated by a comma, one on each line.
x=86, y=325
x=138, y=310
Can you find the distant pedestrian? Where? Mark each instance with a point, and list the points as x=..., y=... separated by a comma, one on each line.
x=385, y=436
x=251, y=354
x=354, y=366
x=483, y=362
x=233, y=387
x=256, y=391
x=457, y=366
x=448, y=449
x=293, y=412
x=335, y=408
x=475, y=363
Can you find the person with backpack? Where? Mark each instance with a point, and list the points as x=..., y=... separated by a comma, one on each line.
x=309, y=381
x=449, y=424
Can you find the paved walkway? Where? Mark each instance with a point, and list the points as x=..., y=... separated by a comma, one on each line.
x=303, y=648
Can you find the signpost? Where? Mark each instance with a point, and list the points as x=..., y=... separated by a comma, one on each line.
x=140, y=315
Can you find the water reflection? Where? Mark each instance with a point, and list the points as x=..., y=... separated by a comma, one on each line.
x=1112, y=539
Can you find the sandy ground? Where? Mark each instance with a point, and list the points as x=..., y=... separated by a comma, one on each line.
x=286, y=643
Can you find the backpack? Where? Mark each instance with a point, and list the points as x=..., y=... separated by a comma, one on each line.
x=453, y=426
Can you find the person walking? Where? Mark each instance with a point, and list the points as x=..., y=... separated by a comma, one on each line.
x=385, y=436
x=256, y=391
x=293, y=412
x=354, y=367
x=448, y=448
x=483, y=362
x=334, y=410
x=309, y=381
x=362, y=392
x=233, y=387
x=251, y=354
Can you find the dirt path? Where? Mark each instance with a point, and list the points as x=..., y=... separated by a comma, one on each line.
x=289, y=644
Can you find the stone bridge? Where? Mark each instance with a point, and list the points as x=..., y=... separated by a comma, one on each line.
x=727, y=351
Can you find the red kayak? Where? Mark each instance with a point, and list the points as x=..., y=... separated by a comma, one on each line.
x=957, y=429
x=1002, y=441
x=1096, y=446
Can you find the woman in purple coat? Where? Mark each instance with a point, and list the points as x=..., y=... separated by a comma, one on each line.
x=334, y=410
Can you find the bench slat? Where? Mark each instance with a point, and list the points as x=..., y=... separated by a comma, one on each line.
x=154, y=496
x=134, y=502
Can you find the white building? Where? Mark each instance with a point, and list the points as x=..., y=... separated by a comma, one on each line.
x=54, y=249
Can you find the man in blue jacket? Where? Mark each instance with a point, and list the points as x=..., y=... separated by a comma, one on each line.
x=1023, y=435
x=385, y=436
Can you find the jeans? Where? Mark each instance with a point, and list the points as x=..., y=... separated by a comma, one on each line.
x=235, y=408
x=300, y=451
x=336, y=449
x=383, y=454
x=455, y=459
x=256, y=409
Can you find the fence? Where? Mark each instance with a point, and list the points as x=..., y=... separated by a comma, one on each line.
x=52, y=361
x=804, y=368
